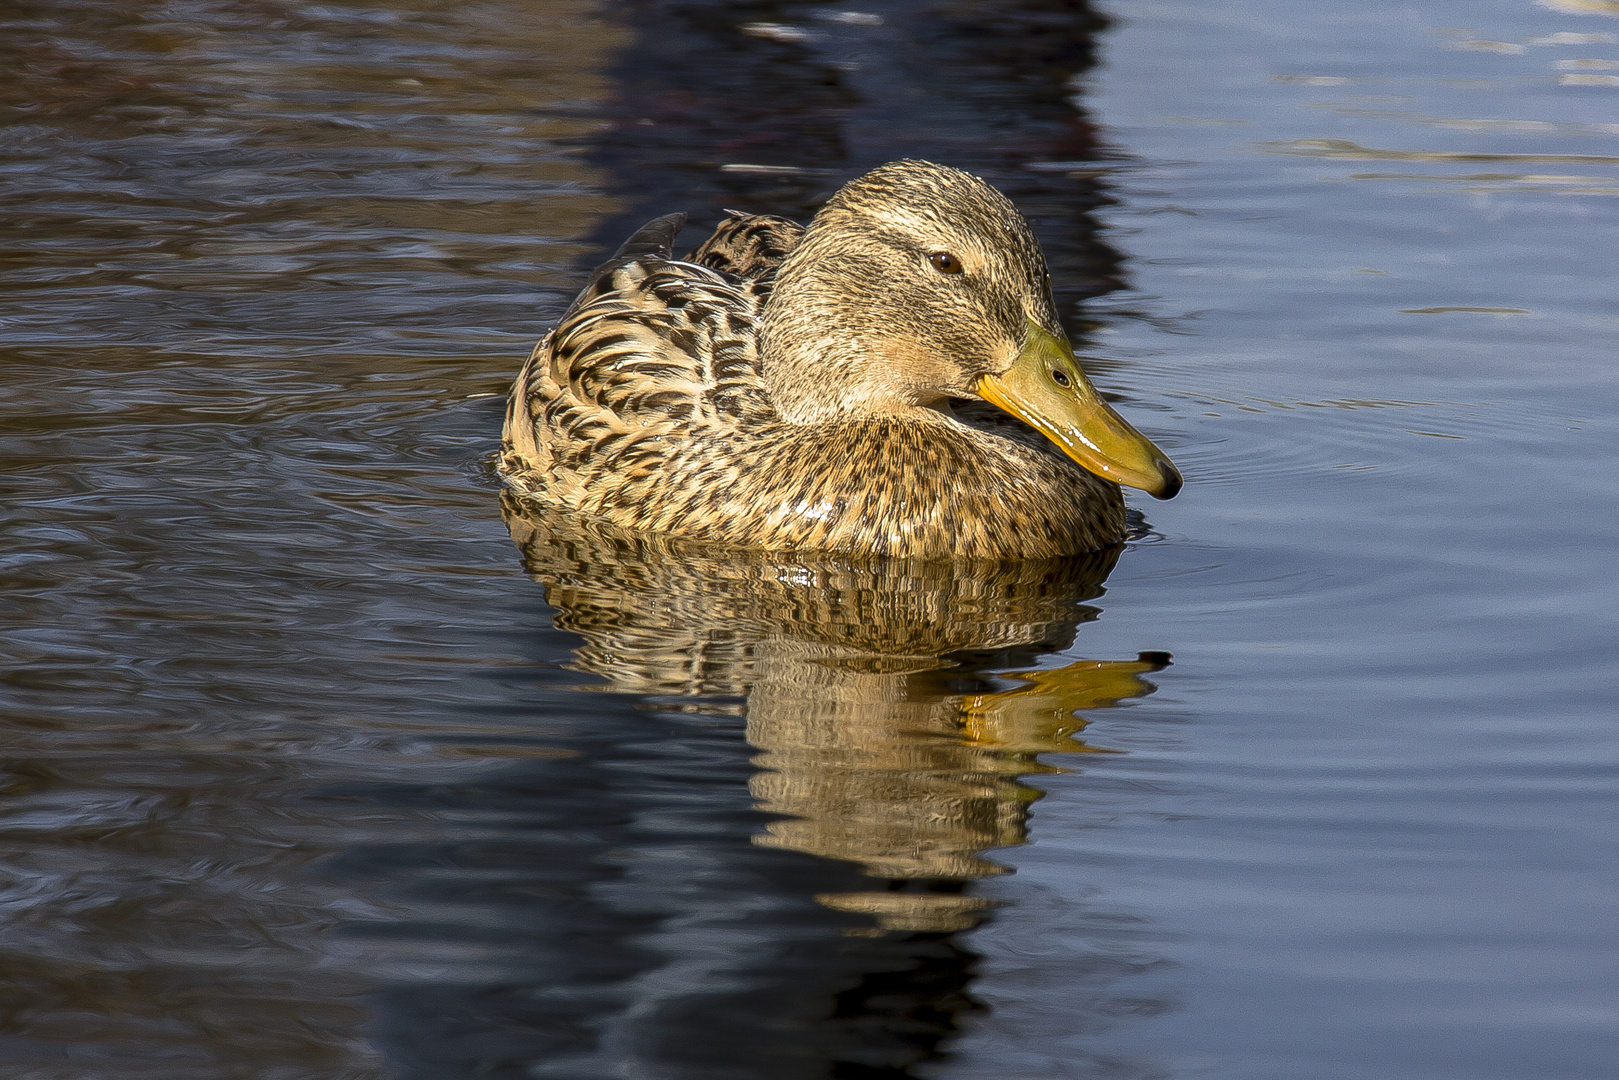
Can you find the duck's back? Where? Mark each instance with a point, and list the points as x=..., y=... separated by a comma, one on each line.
x=653, y=351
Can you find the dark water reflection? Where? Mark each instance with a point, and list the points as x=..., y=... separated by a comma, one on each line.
x=771, y=106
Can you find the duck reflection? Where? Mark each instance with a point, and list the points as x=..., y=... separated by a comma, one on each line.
x=882, y=739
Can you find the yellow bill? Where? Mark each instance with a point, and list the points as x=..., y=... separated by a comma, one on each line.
x=1046, y=389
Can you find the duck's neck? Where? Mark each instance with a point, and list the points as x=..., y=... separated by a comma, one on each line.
x=825, y=359
x=819, y=384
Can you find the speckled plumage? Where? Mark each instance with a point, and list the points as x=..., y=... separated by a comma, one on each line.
x=785, y=389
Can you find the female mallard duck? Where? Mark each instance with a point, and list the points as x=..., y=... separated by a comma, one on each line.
x=892, y=380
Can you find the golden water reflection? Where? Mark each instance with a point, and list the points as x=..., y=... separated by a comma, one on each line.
x=883, y=740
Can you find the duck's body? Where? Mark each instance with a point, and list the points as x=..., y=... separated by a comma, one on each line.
x=750, y=395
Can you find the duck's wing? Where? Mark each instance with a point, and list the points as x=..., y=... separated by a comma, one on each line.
x=654, y=352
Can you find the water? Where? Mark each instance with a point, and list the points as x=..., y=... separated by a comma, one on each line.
x=312, y=772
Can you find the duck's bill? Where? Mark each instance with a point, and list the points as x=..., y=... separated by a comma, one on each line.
x=1046, y=389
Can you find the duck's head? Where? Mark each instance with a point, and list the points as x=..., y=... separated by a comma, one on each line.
x=917, y=284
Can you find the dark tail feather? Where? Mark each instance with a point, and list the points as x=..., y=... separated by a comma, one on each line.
x=656, y=237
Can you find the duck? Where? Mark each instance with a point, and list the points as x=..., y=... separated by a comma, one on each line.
x=891, y=380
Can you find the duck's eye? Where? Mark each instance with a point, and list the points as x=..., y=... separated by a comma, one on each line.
x=1060, y=378
x=945, y=263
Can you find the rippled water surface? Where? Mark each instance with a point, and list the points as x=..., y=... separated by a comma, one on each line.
x=323, y=760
